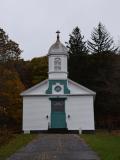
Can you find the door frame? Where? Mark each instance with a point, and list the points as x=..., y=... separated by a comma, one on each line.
x=58, y=98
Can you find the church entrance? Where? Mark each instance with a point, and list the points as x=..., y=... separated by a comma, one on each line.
x=58, y=116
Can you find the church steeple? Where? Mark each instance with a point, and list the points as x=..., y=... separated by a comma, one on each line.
x=57, y=75
x=57, y=56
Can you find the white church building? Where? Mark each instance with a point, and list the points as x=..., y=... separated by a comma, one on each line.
x=58, y=102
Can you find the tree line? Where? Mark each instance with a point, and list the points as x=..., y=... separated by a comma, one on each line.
x=94, y=64
x=101, y=42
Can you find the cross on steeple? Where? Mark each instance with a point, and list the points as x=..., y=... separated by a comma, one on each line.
x=58, y=37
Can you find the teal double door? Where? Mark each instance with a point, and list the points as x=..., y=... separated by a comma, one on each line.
x=58, y=116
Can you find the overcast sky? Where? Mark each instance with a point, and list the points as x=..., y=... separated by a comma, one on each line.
x=33, y=23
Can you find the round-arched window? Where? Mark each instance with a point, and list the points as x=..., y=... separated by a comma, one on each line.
x=57, y=64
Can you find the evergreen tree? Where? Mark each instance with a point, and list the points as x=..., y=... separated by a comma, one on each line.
x=101, y=42
x=9, y=50
x=76, y=44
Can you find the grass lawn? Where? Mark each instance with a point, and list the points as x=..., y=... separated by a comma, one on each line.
x=17, y=141
x=106, y=145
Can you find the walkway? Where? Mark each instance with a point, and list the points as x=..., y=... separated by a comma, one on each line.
x=56, y=147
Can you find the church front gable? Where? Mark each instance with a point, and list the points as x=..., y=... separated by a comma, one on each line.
x=58, y=87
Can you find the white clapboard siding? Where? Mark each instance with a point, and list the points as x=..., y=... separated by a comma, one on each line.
x=80, y=109
x=35, y=110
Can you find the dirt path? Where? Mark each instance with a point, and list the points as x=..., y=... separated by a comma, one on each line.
x=56, y=147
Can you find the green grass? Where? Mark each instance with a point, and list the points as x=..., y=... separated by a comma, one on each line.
x=17, y=141
x=106, y=145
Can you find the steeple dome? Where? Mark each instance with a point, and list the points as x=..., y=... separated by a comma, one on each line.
x=58, y=48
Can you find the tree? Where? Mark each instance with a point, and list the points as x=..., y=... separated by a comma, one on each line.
x=102, y=42
x=39, y=69
x=102, y=75
x=10, y=100
x=9, y=50
x=76, y=44
x=24, y=70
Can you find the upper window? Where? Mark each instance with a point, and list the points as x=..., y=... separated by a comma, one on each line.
x=57, y=64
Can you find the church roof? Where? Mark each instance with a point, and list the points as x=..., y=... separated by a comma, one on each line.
x=58, y=47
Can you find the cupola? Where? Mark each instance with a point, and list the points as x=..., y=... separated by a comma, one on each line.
x=57, y=57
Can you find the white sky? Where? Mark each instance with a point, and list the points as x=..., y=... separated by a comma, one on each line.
x=33, y=23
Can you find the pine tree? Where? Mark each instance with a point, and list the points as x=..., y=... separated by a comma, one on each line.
x=101, y=42
x=9, y=50
x=76, y=44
